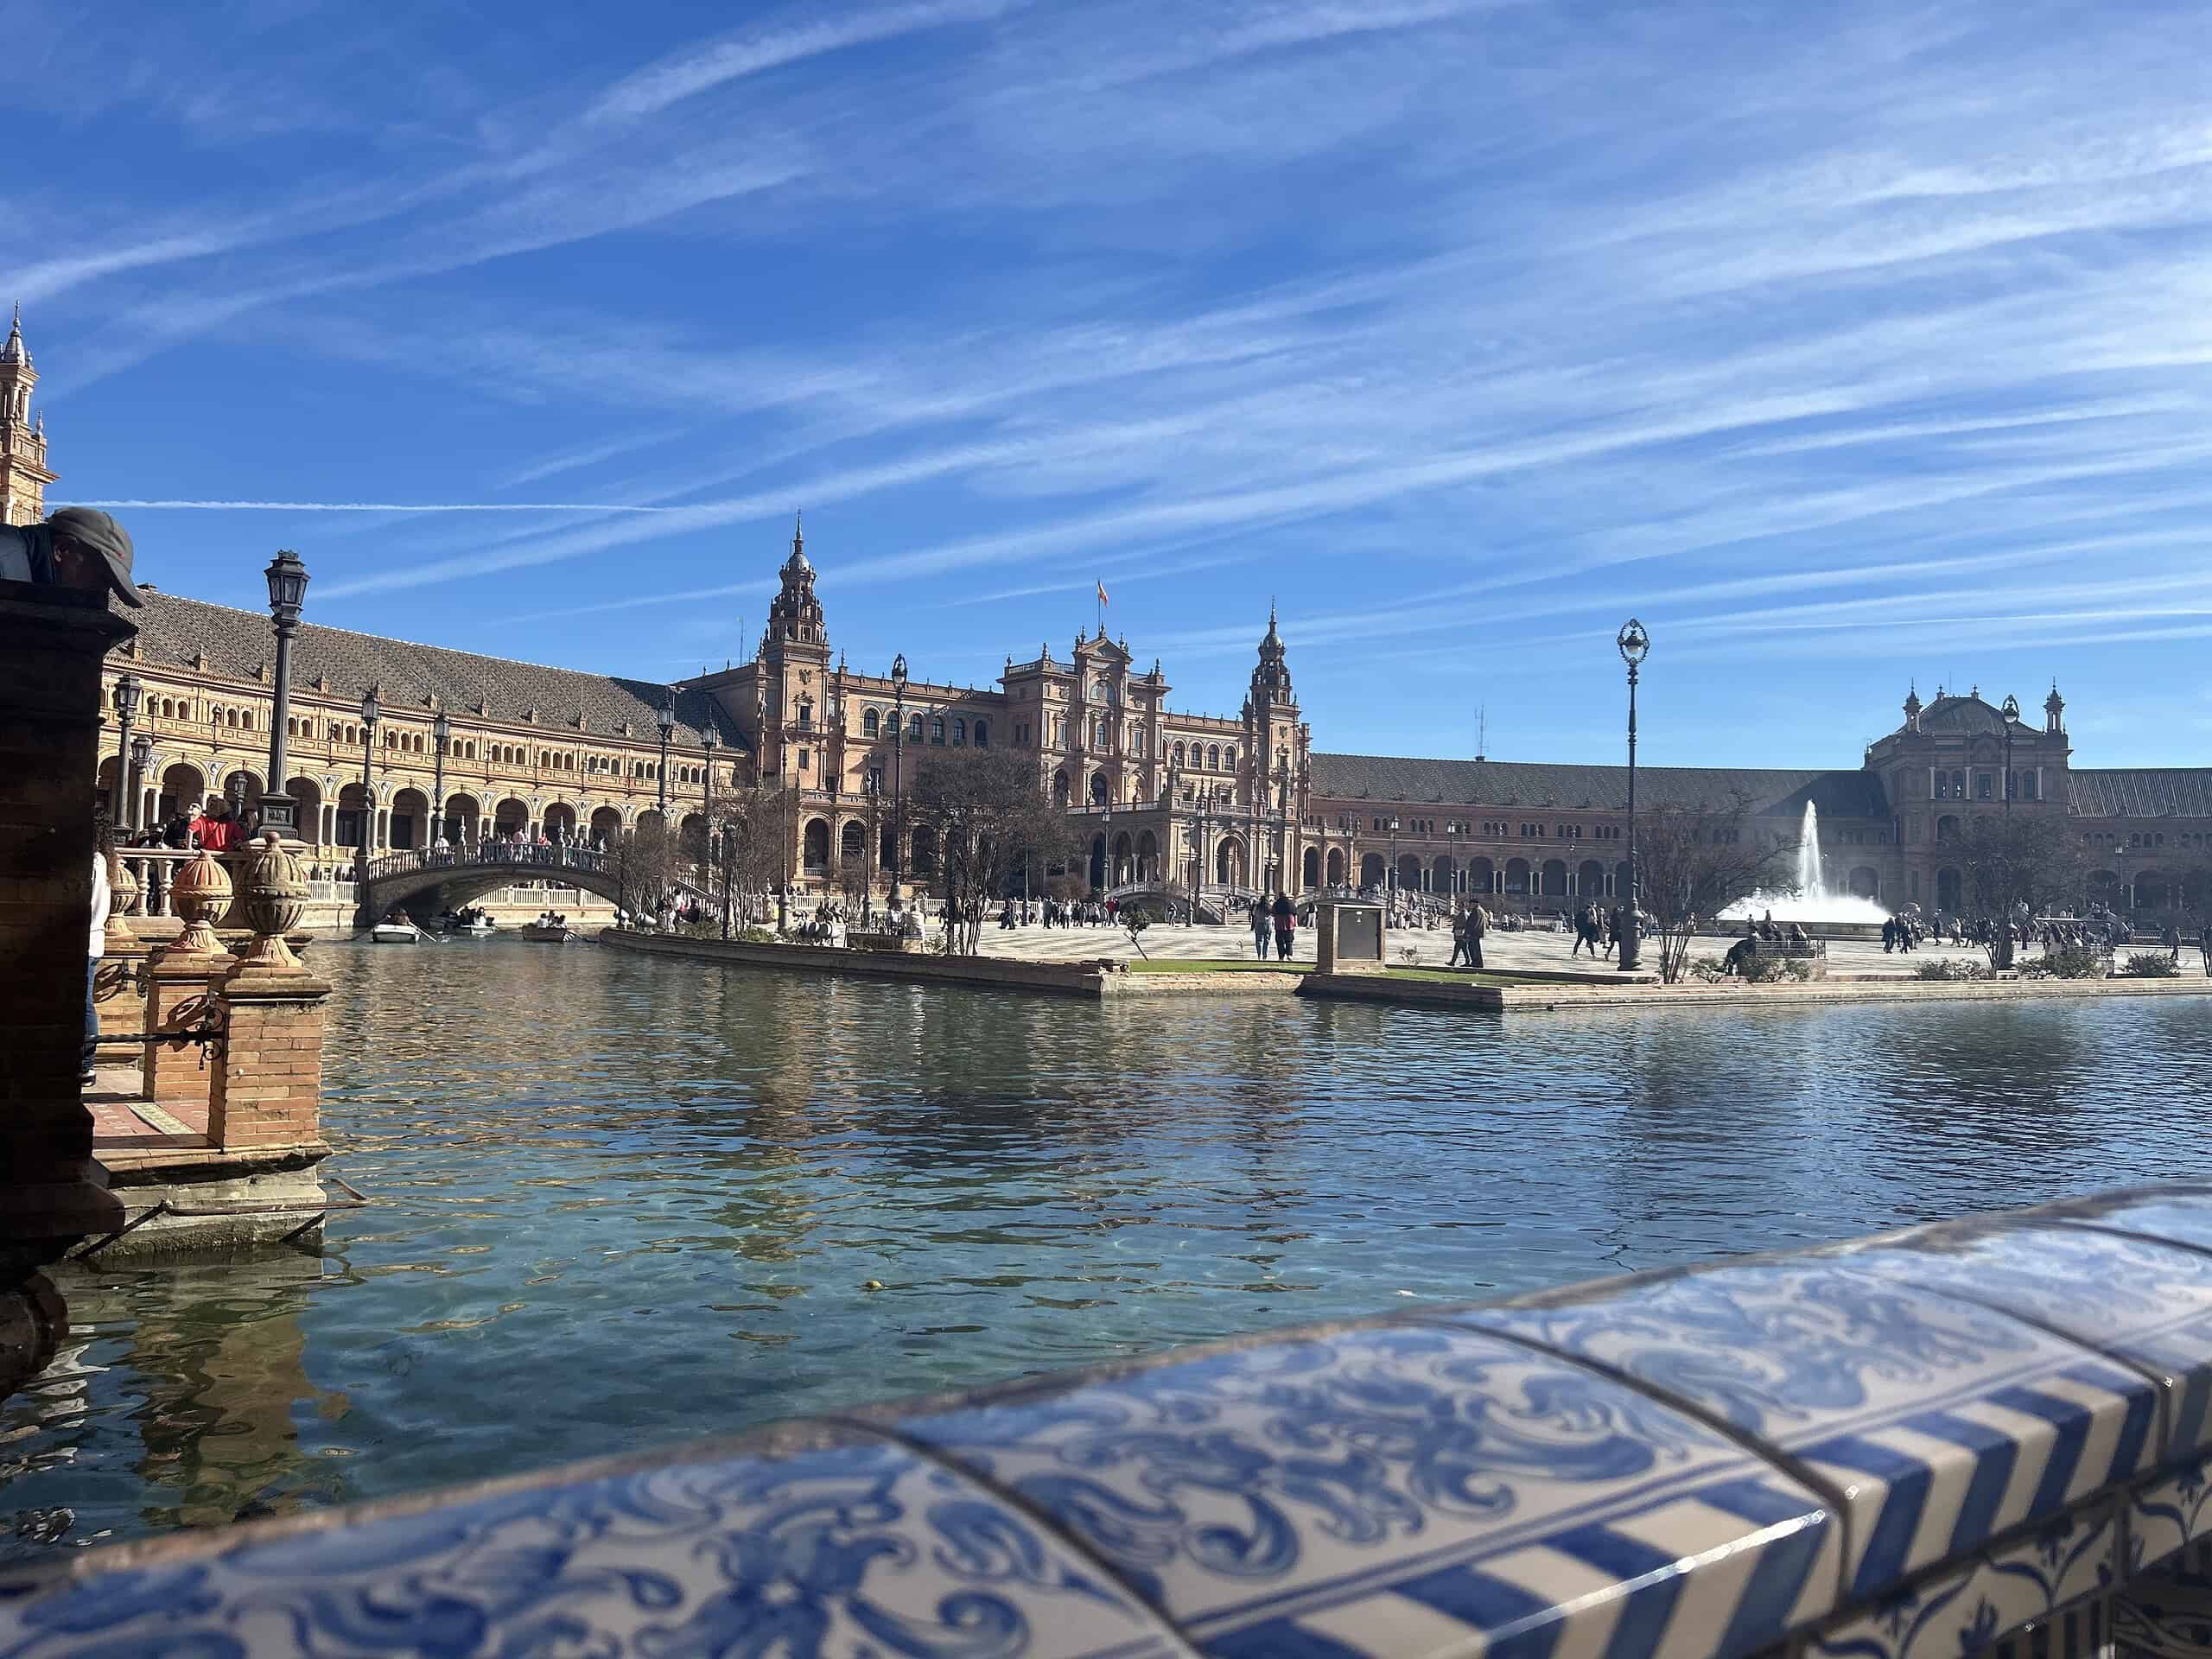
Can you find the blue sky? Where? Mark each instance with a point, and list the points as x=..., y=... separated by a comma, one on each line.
x=1842, y=345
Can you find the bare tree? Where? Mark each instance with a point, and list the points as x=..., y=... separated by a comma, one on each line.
x=646, y=858
x=1692, y=862
x=752, y=834
x=990, y=821
x=2008, y=862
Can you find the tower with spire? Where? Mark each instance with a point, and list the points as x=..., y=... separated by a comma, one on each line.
x=794, y=674
x=1277, y=741
x=24, y=476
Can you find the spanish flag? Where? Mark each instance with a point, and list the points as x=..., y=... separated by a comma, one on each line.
x=1103, y=599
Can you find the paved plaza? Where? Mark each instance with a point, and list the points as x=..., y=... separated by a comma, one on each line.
x=1432, y=948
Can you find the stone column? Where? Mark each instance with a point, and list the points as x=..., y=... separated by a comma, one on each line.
x=52, y=1192
x=267, y=1084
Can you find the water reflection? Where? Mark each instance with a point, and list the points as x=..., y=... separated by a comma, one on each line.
x=625, y=1201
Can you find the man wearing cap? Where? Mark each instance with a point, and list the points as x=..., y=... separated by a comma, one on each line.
x=76, y=547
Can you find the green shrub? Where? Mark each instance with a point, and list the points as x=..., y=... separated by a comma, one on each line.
x=1762, y=970
x=2077, y=962
x=2150, y=964
x=1942, y=968
x=1708, y=969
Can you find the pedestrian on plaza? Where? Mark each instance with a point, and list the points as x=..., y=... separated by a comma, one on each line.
x=1286, y=915
x=217, y=832
x=103, y=850
x=2171, y=939
x=1458, y=940
x=1260, y=932
x=1470, y=934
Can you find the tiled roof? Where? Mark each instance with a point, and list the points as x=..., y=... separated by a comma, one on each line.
x=174, y=630
x=2143, y=792
x=1855, y=794
x=1969, y=715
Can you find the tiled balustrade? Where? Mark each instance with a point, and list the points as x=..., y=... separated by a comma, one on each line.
x=1986, y=1435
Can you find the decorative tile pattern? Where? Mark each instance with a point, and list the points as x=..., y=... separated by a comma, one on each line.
x=1968, y=1609
x=2147, y=1303
x=2168, y=1513
x=848, y=1550
x=1410, y=1491
x=1940, y=1424
x=2166, y=1614
x=2179, y=1215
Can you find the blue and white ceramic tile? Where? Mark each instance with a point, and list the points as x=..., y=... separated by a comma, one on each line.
x=2168, y=1513
x=1401, y=1492
x=2147, y=1303
x=845, y=1552
x=2178, y=1215
x=1939, y=1424
x=2164, y=1614
x=1972, y=1608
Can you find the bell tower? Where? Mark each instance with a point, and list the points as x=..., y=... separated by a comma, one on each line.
x=795, y=675
x=23, y=477
x=1280, y=782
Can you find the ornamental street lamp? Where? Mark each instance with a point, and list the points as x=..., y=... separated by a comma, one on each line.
x=127, y=692
x=664, y=717
x=710, y=740
x=871, y=792
x=142, y=753
x=288, y=587
x=1635, y=645
x=898, y=771
x=2011, y=712
x=1390, y=880
x=441, y=734
x=371, y=712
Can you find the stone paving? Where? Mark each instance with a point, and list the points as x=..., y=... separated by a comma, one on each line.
x=1432, y=948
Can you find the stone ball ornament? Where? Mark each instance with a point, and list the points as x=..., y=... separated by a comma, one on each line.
x=200, y=892
x=275, y=900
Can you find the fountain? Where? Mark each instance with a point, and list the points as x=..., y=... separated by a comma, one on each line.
x=1809, y=901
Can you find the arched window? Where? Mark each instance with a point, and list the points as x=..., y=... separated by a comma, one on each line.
x=1098, y=733
x=868, y=723
x=959, y=733
x=914, y=728
x=1959, y=786
x=1179, y=754
x=1100, y=692
x=937, y=728
x=983, y=733
x=1213, y=757
x=1229, y=757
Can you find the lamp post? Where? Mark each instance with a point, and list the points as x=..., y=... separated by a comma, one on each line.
x=664, y=717
x=872, y=792
x=288, y=587
x=710, y=740
x=898, y=771
x=371, y=712
x=2011, y=712
x=1635, y=645
x=1391, y=877
x=127, y=692
x=142, y=752
x=441, y=734
x=1282, y=826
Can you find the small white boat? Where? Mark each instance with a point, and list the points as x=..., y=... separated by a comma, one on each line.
x=396, y=933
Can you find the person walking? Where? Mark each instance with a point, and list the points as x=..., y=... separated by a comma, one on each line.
x=1260, y=932
x=1286, y=915
x=1476, y=926
x=103, y=845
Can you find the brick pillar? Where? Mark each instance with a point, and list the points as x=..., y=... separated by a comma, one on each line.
x=179, y=996
x=52, y=643
x=268, y=1079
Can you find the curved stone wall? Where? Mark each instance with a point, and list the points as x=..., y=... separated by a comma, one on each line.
x=1928, y=1443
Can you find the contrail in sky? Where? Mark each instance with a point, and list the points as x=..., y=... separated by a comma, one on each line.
x=386, y=506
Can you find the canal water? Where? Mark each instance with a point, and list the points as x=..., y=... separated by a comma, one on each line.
x=622, y=1201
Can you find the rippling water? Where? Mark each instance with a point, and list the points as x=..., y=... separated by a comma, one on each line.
x=622, y=1201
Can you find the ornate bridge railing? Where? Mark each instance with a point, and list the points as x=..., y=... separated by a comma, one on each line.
x=1990, y=1436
